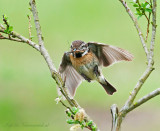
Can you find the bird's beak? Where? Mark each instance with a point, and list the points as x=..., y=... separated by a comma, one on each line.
x=77, y=51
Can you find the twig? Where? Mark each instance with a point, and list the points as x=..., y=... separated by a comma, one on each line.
x=136, y=25
x=22, y=38
x=2, y=26
x=138, y=87
x=129, y=103
x=151, y=54
x=148, y=23
x=148, y=20
x=29, y=27
x=66, y=106
x=114, y=112
x=149, y=58
x=6, y=23
x=144, y=99
x=40, y=37
x=12, y=39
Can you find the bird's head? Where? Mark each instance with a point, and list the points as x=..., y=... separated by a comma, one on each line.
x=79, y=48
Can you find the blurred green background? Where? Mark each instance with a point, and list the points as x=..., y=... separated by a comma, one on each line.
x=27, y=91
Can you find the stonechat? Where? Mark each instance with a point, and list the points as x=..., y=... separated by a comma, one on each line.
x=84, y=61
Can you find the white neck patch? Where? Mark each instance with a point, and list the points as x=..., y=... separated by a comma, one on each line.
x=85, y=52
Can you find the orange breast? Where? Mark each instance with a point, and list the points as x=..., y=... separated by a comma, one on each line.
x=76, y=62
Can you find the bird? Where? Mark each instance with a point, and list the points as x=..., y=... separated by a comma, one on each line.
x=84, y=62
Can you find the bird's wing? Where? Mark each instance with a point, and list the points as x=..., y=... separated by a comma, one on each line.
x=69, y=75
x=108, y=54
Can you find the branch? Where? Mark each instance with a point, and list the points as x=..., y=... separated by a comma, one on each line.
x=149, y=56
x=153, y=32
x=48, y=59
x=145, y=99
x=29, y=27
x=114, y=112
x=21, y=38
x=138, y=87
x=136, y=25
x=40, y=37
x=7, y=38
x=116, y=123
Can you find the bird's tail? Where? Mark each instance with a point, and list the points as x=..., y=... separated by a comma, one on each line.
x=108, y=87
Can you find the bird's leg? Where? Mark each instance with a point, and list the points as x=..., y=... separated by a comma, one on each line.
x=95, y=70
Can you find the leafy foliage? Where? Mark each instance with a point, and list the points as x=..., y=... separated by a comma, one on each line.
x=77, y=117
x=9, y=28
x=142, y=8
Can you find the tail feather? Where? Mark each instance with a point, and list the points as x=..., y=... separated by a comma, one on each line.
x=108, y=88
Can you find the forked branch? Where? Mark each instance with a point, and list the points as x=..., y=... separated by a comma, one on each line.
x=130, y=105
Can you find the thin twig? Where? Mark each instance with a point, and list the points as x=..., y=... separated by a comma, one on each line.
x=22, y=38
x=40, y=37
x=66, y=106
x=151, y=54
x=29, y=27
x=144, y=99
x=148, y=23
x=6, y=23
x=2, y=26
x=12, y=39
x=138, y=86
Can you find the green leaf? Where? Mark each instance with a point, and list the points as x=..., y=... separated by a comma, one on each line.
x=82, y=126
x=135, y=5
x=75, y=110
x=138, y=11
x=145, y=4
x=69, y=121
x=76, y=122
x=90, y=122
x=69, y=114
x=10, y=28
x=5, y=16
x=148, y=10
x=94, y=128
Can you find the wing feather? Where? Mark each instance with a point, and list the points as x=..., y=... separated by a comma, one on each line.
x=71, y=77
x=108, y=54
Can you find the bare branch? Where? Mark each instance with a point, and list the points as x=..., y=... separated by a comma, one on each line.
x=138, y=87
x=40, y=37
x=29, y=27
x=129, y=103
x=114, y=112
x=144, y=99
x=148, y=23
x=12, y=39
x=22, y=38
x=136, y=25
x=150, y=62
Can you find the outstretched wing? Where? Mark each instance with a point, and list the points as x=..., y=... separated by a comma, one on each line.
x=71, y=77
x=108, y=54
